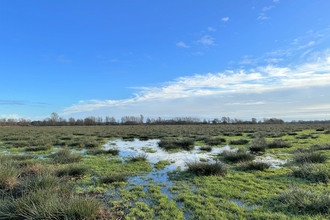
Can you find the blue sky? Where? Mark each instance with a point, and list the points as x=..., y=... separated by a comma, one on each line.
x=206, y=59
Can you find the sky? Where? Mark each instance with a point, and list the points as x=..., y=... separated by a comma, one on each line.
x=206, y=59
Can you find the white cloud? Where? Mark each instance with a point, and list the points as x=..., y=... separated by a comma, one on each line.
x=283, y=91
x=267, y=8
x=273, y=60
x=276, y=1
x=225, y=19
x=182, y=44
x=262, y=16
x=11, y=116
x=206, y=40
x=211, y=29
x=62, y=59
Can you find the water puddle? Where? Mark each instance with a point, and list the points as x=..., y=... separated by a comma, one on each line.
x=274, y=163
x=155, y=153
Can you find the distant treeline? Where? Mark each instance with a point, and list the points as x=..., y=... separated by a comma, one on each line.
x=56, y=120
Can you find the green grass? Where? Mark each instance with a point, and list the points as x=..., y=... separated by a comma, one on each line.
x=249, y=192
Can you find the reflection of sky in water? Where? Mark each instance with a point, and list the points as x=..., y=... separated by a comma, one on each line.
x=178, y=159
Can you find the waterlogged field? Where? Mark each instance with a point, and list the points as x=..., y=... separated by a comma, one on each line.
x=165, y=172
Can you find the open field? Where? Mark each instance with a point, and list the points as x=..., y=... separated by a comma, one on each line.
x=165, y=172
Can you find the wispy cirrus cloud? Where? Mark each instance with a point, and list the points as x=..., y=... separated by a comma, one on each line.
x=225, y=19
x=21, y=102
x=263, y=15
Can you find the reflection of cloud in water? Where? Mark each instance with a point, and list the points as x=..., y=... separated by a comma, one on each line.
x=274, y=163
x=132, y=148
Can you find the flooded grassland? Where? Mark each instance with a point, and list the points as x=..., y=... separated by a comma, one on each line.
x=165, y=172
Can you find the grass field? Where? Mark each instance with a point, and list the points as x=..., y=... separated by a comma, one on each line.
x=165, y=172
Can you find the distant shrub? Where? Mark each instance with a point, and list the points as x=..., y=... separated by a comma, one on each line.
x=239, y=142
x=170, y=144
x=215, y=141
x=206, y=148
x=19, y=144
x=93, y=144
x=207, y=169
x=292, y=133
x=278, y=143
x=238, y=156
x=144, y=138
x=320, y=147
x=39, y=148
x=303, y=136
x=112, y=151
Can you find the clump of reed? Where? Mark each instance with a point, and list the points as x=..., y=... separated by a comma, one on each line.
x=302, y=156
x=300, y=201
x=238, y=142
x=215, y=141
x=111, y=178
x=64, y=156
x=138, y=158
x=216, y=168
x=278, y=143
x=312, y=173
x=39, y=148
x=206, y=148
x=170, y=144
x=237, y=156
x=111, y=151
x=258, y=145
x=73, y=170
x=254, y=165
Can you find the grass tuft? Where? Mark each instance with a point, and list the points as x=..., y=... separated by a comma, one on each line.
x=309, y=156
x=238, y=156
x=239, y=142
x=301, y=201
x=74, y=170
x=64, y=156
x=139, y=157
x=207, y=169
x=278, y=143
x=254, y=165
x=312, y=173
x=206, y=148
x=111, y=178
